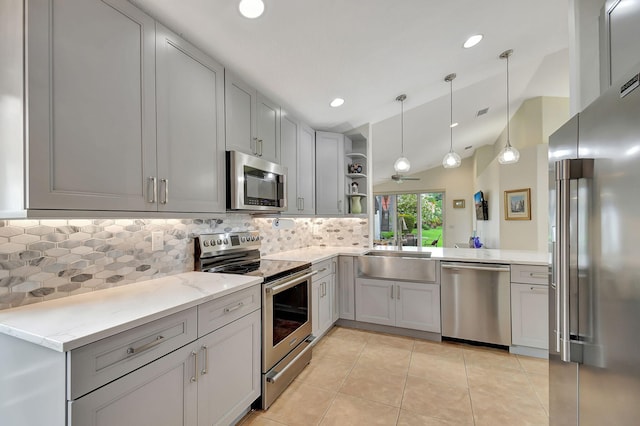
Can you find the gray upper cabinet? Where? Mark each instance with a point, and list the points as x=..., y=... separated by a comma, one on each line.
x=330, y=189
x=298, y=155
x=190, y=109
x=252, y=121
x=123, y=115
x=91, y=100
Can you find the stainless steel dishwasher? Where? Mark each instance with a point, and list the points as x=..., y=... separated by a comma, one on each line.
x=476, y=302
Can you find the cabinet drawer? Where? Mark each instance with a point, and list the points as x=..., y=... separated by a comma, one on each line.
x=96, y=364
x=219, y=312
x=324, y=268
x=530, y=274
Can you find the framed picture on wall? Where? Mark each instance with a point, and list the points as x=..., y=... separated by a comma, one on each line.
x=458, y=204
x=517, y=204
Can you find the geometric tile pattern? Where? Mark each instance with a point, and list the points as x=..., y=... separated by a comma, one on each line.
x=48, y=259
x=363, y=378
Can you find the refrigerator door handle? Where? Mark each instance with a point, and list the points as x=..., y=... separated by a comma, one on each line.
x=566, y=171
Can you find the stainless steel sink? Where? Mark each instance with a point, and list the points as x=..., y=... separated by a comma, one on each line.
x=419, y=255
x=417, y=267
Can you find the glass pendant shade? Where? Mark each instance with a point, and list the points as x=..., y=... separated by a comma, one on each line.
x=508, y=155
x=402, y=165
x=451, y=160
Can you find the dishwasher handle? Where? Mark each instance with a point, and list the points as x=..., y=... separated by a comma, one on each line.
x=476, y=267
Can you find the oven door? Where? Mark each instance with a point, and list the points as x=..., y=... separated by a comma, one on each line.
x=286, y=316
x=255, y=184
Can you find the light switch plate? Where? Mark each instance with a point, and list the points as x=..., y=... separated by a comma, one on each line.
x=157, y=241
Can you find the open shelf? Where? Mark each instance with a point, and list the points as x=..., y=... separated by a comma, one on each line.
x=354, y=194
x=357, y=175
x=355, y=155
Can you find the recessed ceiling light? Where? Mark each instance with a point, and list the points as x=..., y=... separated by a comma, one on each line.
x=472, y=41
x=337, y=102
x=453, y=125
x=251, y=8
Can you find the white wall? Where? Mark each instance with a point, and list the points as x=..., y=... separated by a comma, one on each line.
x=456, y=184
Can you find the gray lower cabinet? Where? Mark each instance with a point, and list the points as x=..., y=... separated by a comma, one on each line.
x=346, y=287
x=324, y=303
x=529, y=306
x=209, y=382
x=252, y=120
x=400, y=304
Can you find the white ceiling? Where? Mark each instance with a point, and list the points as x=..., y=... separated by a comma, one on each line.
x=304, y=53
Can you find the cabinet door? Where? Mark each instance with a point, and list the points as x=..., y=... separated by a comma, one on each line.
x=346, y=288
x=529, y=319
x=375, y=301
x=240, y=115
x=418, y=306
x=163, y=392
x=229, y=379
x=92, y=137
x=190, y=102
x=268, y=129
x=330, y=191
x=307, y=169
x=289, y=141
x=322, y=307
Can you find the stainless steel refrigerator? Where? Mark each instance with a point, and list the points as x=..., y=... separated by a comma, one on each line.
x=594, y=297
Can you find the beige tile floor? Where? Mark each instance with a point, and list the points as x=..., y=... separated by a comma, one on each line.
x=363, y=378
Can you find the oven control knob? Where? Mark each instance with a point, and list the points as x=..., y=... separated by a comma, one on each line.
x=253, y=238
x=226, y=241
x=212, y=243
x=243, y=239
x=205, y=243
x=219, y=242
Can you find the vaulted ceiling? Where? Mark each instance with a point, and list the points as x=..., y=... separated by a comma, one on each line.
x=304, y=53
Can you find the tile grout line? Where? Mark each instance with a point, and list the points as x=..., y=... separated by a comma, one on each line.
x=466, y=374
x=406, y=378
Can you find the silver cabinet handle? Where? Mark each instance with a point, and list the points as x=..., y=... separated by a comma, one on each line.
x=254, y=148
x=154, y=189
x=392, y=291
x=234, y=308
x=540, y=275
x=205, y=370
x=260, y=147
x=398, y=292
x=537, y=288
x=322, y=270
x=340, y=206
x=134, y=351
x=302, y=199
x=194, y=378
x=165, y=183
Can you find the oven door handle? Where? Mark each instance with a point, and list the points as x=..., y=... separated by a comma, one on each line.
x=287, y=285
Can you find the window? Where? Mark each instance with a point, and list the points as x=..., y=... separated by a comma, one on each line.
x=416, y=219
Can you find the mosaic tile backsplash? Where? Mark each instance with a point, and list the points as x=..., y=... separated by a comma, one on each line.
x=48, y=259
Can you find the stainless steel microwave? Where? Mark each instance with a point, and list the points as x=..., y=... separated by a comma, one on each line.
x=255, y=184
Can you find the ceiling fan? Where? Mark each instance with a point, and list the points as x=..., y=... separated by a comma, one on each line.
x=402, y=164
x=401, y=178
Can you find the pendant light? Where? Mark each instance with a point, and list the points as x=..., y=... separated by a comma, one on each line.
x=509, y=154
x=402, y=164
x=251, y=8
x=451, y=160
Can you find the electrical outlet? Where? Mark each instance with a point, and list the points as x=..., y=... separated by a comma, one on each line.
x=157, y=241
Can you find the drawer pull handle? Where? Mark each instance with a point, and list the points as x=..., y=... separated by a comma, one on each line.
x=194, y=378
x=133, y=351
x=541, y=275
x=234, y=308
x=205, y=369
x=322, y=270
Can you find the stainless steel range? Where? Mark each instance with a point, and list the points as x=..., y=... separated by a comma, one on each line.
x=286, y=303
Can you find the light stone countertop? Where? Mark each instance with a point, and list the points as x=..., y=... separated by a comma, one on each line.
x=70, y=322
x=318, y=254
